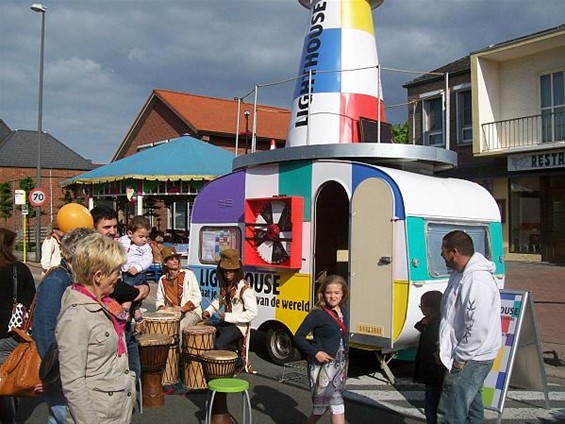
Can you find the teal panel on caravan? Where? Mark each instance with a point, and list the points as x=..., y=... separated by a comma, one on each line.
x=417, y=255
x=295, y=179
x=497, y=247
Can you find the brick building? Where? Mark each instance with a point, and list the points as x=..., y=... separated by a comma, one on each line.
x=18, y=160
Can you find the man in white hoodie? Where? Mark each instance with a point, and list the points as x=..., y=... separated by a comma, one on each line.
x=470, y=332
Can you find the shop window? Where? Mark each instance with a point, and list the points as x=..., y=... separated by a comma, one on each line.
x=464, y=117
x=553, y=106
x=433, y=122
x=179, y=215
x=555, y=250
x=525, y=215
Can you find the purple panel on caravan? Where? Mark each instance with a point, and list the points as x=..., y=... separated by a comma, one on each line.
x=221, y=200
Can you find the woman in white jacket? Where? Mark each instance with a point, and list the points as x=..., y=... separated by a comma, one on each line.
x=51, y=249
x=235, y=306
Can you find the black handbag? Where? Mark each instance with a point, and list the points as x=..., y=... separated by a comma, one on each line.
x=49, y=370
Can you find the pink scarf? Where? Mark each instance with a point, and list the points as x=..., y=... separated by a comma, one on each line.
x=114, y=310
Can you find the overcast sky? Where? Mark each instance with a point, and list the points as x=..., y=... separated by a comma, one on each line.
x=103, y=57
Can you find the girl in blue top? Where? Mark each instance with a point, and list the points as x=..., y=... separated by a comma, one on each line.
x=327, y=352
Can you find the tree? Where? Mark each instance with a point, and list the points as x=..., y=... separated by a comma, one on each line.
x=400, y=133
x=6, y=202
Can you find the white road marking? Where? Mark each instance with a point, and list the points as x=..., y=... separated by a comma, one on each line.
x=376, y=391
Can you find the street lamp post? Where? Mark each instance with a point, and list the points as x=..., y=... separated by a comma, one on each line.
x=246, y=113
x=39, y=8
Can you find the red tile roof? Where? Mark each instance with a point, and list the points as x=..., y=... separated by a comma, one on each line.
x=209, y=114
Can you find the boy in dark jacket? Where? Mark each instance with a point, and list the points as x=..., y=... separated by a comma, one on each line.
x=428, y=368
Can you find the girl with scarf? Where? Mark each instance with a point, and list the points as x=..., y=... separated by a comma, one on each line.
x=95, y=375
x=327, y=351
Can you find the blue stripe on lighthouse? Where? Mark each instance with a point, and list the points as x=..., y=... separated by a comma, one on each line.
x=321, y=53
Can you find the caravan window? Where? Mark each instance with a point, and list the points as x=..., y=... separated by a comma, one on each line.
x=214, y=239
x=434, y=235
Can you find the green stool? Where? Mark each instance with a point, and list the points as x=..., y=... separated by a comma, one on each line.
x=222, y=386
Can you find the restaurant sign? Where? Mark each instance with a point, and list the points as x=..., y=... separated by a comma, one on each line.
x=537, y=160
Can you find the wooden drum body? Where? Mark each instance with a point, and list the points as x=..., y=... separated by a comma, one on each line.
x=153, y=352
x=167, y=323
x=195, y=341
x=218, y=364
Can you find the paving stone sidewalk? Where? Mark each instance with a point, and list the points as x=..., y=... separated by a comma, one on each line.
x=546, y=282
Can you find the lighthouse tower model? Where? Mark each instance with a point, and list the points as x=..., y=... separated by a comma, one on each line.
x=340, y=200
x=338, y=75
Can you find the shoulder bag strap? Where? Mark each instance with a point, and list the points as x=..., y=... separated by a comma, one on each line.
x=341, y=324
x=15, y=287
x=27, y=324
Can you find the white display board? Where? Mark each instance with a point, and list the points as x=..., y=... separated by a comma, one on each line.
x=519, y=361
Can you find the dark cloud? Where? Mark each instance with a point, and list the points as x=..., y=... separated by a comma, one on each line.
x=103, y=57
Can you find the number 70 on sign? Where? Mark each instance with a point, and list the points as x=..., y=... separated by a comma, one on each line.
x=37, y=197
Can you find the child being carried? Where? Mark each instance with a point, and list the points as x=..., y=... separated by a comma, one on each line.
x=139, y=259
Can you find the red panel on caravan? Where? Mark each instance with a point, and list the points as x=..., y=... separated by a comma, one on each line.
x=273, y=232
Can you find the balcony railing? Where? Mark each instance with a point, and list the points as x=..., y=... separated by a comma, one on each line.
x=524, y=132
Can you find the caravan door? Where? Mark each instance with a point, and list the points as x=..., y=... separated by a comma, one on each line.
x=371, y=297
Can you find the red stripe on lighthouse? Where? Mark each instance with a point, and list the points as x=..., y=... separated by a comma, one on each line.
x=353, y=107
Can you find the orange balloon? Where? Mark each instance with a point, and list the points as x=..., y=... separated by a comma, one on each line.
x=72, y=216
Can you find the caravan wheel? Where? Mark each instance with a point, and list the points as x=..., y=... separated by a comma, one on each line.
x=280, y=347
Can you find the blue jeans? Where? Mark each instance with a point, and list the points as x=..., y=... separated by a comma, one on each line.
x=461, y=397
x=134, y=280
x=57, y=407
x=432, y=395
x=57, y=414
x=133, y=352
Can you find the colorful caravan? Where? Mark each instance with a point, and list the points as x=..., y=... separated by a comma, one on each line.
x=378, y=227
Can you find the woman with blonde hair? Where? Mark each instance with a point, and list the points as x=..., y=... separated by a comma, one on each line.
x=95, y=375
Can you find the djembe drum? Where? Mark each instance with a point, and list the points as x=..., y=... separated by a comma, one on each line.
x=153, y=352
x=219, y=364
x=167, y=323
x=196, y=340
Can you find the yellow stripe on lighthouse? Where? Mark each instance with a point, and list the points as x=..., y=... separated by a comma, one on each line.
x=356, y=14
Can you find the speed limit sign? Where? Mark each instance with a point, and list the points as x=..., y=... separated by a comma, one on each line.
x=37, y=197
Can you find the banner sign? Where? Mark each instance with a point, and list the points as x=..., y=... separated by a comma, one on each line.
x=519, y=360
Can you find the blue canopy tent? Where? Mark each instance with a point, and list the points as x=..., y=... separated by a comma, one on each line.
x=184, y=158
x=171, y=172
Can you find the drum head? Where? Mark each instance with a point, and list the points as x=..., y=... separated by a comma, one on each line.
x=219, y=355
x=162, y=316
x=199, y=329
x=155, y=340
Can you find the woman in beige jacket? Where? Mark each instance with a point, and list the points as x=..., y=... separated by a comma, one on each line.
x=95, y=375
